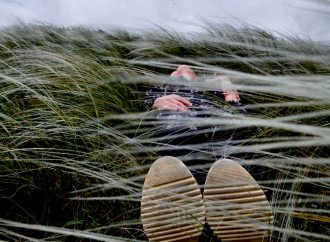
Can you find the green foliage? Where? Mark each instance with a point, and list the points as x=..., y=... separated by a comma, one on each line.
x=75, y=142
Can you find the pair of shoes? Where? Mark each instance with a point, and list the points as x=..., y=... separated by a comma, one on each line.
x=173, y=209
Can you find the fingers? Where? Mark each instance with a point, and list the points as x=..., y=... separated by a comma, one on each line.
x=183, y=100
x=174, y=98
x=176, y=106
x=172, y=105
x=172, y=102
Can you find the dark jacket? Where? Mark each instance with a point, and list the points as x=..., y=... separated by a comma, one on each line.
x=206, y=104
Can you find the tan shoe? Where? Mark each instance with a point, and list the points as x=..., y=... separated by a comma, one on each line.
x=172, y=207
x=236, y=207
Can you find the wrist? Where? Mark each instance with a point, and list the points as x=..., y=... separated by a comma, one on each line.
x=231, y=95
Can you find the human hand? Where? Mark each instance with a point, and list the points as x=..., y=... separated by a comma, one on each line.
x=172, y=102
x=226, y=84
x=230, y=94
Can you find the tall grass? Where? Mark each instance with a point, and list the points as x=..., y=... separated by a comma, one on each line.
x=76, y=141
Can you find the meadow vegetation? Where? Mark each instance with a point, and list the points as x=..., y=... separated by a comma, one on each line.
x=76, y=142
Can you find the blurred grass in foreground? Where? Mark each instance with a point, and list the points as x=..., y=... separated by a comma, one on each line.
x=76, y=143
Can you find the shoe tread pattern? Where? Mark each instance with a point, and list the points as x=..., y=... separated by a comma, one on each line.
x=172, y=207
x=236, y=207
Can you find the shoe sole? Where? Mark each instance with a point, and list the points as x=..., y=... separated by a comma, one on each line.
x=172, y=207
x=236, y=207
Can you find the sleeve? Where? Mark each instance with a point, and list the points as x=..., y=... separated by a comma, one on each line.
x=150, y=95
x=236, y=104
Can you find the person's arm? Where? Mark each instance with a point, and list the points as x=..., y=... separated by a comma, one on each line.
x=150, y=95
x=228, y=91
x=172, y=102
x=155, y=98
x=229, y=94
